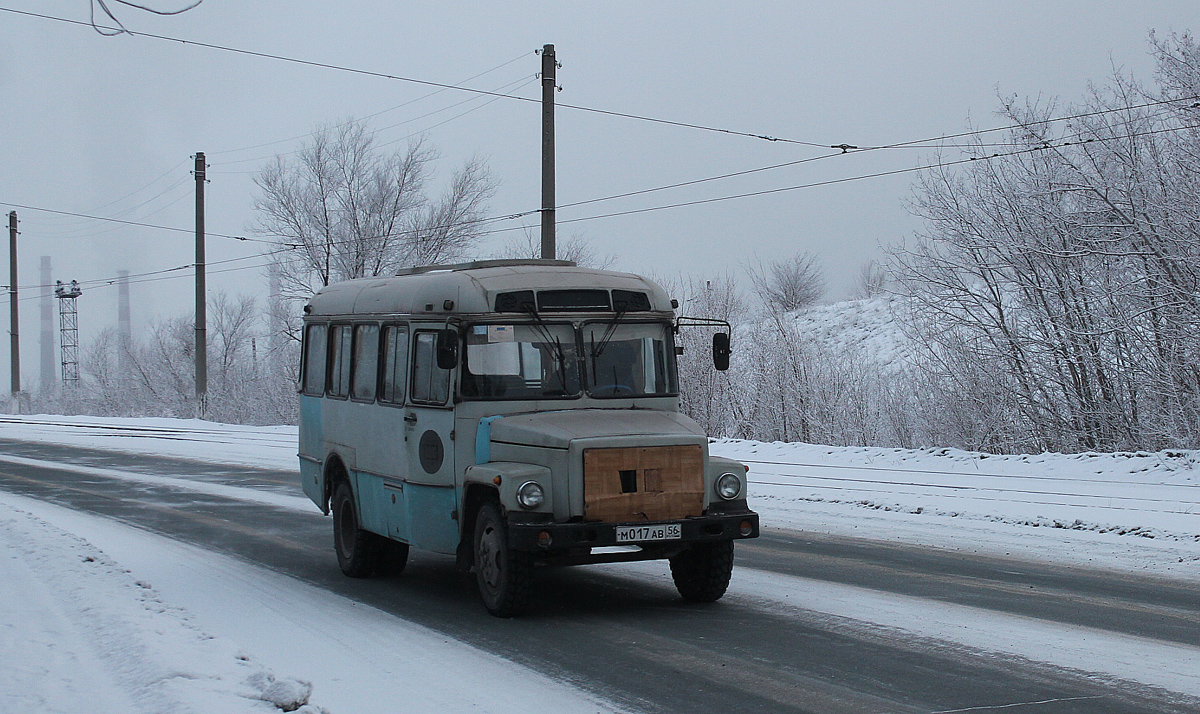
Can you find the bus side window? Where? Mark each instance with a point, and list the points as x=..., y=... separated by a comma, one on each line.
x=366, y=362
x=395, y=364
x=314, y=360
x=431, y=384
x=339, y=364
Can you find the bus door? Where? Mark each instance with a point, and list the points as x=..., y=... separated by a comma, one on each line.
x=428, y=425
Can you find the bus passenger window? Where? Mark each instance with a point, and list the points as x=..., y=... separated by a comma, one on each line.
x=366, y=362
x=395, y=364
x=314, y=360
x=339, y=363
x=431, y=384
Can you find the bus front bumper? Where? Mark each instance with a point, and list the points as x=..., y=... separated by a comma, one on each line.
x=732, y=521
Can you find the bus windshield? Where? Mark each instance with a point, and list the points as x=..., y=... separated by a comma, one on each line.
x=520, y=361
x=628, y=359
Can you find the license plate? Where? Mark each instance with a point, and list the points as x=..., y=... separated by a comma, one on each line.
x=664, y=531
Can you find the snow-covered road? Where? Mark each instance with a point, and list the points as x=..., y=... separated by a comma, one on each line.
x=123, y=619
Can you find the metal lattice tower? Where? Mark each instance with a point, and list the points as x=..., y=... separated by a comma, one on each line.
x=68, y=328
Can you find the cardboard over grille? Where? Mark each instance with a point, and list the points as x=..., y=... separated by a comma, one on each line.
x=648, y=483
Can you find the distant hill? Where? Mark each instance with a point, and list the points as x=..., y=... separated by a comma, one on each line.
x=867, y=327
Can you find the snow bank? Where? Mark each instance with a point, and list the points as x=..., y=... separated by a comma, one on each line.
x=268, y=447
x=1132, y=511
x=81, y=633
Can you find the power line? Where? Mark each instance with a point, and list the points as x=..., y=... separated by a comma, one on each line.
x=428, y=83
x=163, y=274
x=1082, y=115
x=103, y=6
x=916, y=143
x=128, y=223
x=526, y=81
x=478, y=221
x=167, y=173
x=78, y=229
x=385, y=111
x=879, y=174
x=413, y=231
x=152, y=275
x=845, y=148
x=456, y=116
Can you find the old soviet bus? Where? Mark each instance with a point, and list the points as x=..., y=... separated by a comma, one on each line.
x=514, y=413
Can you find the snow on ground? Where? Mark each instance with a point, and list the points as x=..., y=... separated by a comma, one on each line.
x=1131, y=511
x=84, y=613
x=269, y=447
x=85, y=626
x=867, y=327
x=81, y=633
x=1134, y=511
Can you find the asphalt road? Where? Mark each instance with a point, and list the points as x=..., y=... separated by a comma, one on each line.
x=637, y=644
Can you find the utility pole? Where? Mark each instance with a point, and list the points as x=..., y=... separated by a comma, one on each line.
x=13, y=315
x=549, y=78
x=201, y=292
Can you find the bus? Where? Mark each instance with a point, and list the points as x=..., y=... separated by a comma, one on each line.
x=514, y=414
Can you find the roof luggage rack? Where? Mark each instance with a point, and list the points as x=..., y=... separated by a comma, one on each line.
x=476, y=264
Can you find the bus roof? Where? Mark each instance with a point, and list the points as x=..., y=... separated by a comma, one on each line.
x=471, y=288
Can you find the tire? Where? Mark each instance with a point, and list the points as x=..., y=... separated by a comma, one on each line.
x=504, y=576
x=393, y=557
x=701, y=573
x=358, y=551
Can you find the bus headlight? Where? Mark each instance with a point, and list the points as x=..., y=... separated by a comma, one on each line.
x=530, y=494
x=729, y=486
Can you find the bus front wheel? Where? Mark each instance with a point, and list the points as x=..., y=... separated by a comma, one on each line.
x=358, y=551
x=504, y=575
x=701, y=573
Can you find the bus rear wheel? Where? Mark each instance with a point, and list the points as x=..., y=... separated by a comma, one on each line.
x=701, y=573
x=504, y=575
x=358, y=551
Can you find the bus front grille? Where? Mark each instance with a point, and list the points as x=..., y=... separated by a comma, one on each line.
x=643, y=483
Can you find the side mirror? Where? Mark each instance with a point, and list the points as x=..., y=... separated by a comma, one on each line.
x=447, y=349
x=721, y=351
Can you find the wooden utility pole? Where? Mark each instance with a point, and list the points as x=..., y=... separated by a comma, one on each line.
x=201, y=292
x=12, y=301
x=549, y=77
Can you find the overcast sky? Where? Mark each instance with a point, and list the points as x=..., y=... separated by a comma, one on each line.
x=106, y=125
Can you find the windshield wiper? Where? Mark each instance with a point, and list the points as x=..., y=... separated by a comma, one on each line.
x=544, y=332
x=609, y=332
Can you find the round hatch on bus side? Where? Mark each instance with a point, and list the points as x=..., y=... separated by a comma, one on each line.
x=431, y=452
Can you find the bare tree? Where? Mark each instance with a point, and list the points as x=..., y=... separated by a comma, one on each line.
x=871, y=281
x=574, y=247
x=450, y=227
x=791, y=284
x=706, y=395
x=344, y=208
x=232, y=323
x=1068, y=268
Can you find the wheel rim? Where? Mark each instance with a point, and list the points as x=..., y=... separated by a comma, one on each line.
x=489, y=558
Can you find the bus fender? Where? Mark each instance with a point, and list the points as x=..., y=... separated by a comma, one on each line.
x=507, y=477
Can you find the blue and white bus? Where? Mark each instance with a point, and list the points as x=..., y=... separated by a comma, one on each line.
x=514, y=414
